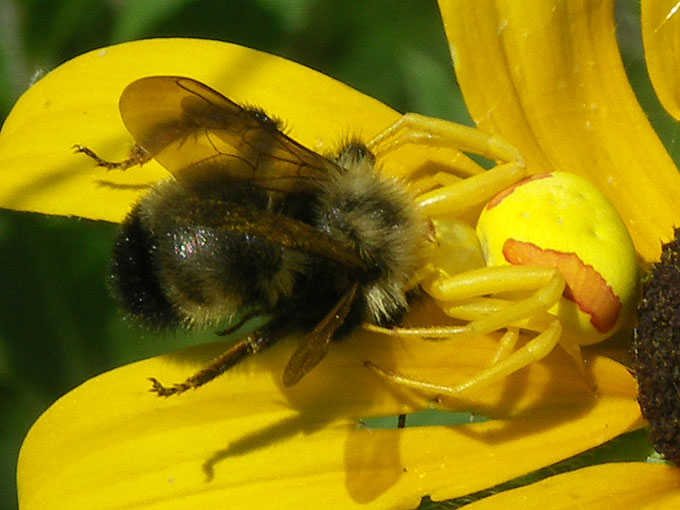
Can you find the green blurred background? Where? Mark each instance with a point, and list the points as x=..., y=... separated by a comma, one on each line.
x=58, y=325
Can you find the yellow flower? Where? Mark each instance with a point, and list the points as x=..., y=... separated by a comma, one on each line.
x=534, y=74
x=556, y=88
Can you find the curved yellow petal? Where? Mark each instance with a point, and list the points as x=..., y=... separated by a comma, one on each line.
x=547, y=75
x=617, y=485
x=77, y=103
x=660, y=22
x=245, y=439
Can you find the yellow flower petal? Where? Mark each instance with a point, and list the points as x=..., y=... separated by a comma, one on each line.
x=660, y=22
x=77, y=103
x=548, y=76
x=616, y=485
x=244, y=439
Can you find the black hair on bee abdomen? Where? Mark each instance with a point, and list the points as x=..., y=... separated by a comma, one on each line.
x=134, y=279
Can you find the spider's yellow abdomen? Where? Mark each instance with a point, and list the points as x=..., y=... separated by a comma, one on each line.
x=561, y=220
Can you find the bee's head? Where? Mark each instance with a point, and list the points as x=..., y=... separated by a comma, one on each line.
x=375, y=214
x=353, y=153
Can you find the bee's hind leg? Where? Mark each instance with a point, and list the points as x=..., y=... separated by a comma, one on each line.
x=252, y=344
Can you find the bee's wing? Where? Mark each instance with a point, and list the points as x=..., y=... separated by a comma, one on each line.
x=283, y=230
x=203, y=139
x=314, y=346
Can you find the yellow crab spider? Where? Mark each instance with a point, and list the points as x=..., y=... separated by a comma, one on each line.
x=550, y=255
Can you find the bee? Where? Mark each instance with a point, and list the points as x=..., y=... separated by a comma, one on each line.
x=251, y=223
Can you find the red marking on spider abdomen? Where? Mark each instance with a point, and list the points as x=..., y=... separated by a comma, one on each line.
x=585, y=286
x=499, y=198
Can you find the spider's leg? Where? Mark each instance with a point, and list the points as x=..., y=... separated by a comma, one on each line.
x=413, y=128
x=549, y=282
x=506, y=344
x=534, y=350
x=493, y=280
x=456, y=198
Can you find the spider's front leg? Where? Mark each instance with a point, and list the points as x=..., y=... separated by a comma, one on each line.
x=413, y=128
x=452, y=196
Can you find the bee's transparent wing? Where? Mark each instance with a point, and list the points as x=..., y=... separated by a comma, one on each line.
x=204, y=139
x=280, y=229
